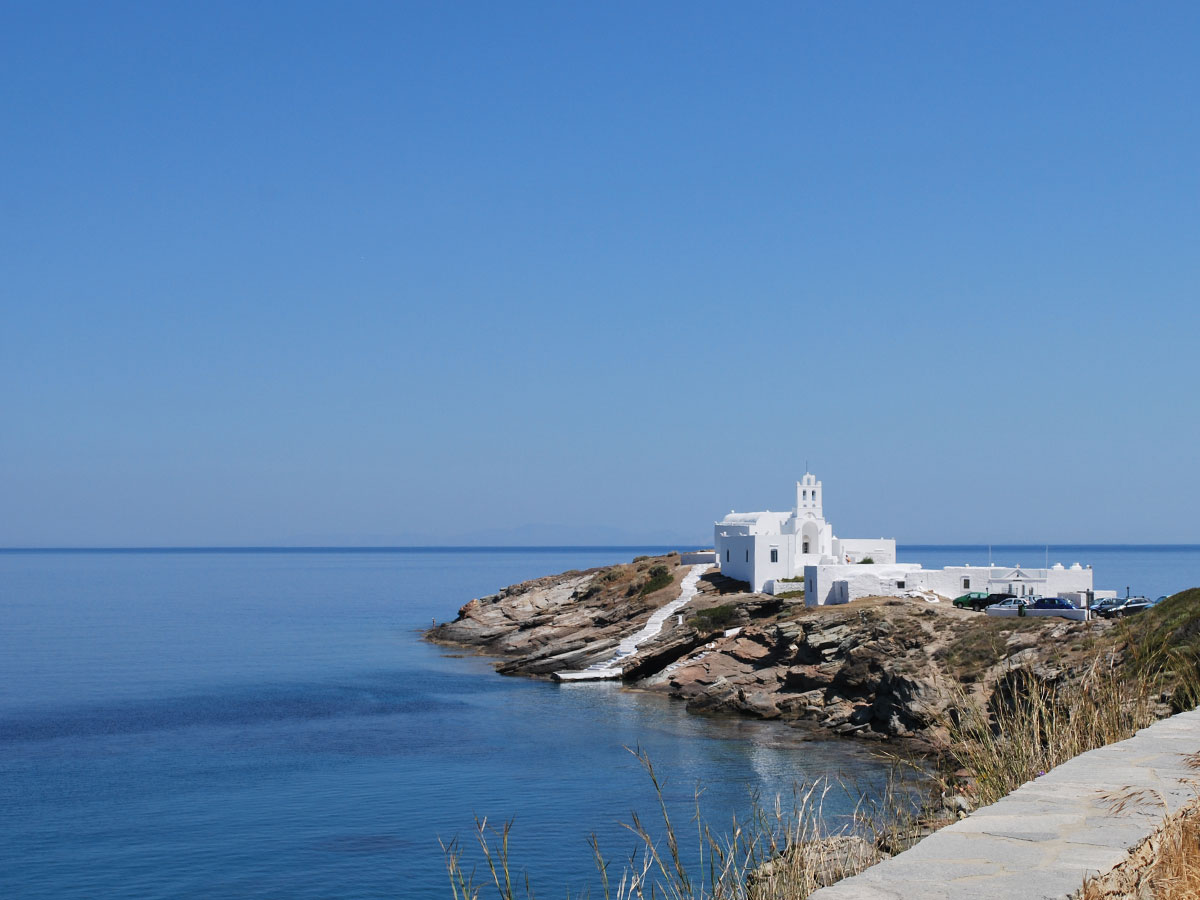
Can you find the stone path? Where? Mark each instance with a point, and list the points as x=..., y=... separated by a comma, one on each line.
x=1043, y=839
x=611, y=667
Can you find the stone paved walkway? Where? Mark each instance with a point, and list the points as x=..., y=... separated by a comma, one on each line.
x=1043, y=839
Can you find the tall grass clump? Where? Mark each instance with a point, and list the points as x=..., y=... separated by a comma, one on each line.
x=784, y=851
x=1032, y=725
x=1148, y=666
x=1165, y=642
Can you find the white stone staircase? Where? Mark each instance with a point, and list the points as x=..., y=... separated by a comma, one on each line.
x=611, y=667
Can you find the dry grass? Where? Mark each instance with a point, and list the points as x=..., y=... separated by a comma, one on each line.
x=1165, y=867
x=1176, y=871
x=1036, y=725
x=1031, y=725
x=784, y=852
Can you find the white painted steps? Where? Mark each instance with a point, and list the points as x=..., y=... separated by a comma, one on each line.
x=611, y=668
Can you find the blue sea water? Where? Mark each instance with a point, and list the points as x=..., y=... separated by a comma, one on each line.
x=269, y=724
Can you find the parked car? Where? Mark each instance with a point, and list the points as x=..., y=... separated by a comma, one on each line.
x=1010, y=603
x=975, y=600
x=1127, y=607
x=1105, y=605
x=1052, y=603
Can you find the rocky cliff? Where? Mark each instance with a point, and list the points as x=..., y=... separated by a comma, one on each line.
x=879, y=668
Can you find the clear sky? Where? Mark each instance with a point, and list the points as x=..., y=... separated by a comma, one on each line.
x=288, y=273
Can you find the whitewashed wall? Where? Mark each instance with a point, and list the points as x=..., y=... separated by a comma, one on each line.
x=775, y=586
x=747, y=557
x=860, y=581
x=950, y=582
x=882, y=550
x=734, y=555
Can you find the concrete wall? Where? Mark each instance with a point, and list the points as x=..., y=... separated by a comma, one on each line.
x=821, y=582
x=881, y=550
x=1079, y=615
x=778, y=586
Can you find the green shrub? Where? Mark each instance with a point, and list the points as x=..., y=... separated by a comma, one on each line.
x=713, y=619
x=866, y=561
x=660, y=577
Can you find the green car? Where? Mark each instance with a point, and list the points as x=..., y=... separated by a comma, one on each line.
x=976, y=600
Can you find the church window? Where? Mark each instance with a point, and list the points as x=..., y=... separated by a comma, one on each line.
x=747, y=556
x=726, y=556
x=806, y=546
x=966, y=584
x=774, y=555
x=900, y=584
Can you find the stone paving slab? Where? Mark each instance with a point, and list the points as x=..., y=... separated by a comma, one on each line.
x=1042, y=840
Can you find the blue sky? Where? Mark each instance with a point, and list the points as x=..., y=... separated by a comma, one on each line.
x=423, y=273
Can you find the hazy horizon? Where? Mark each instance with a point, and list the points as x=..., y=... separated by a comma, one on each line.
x=650, y=545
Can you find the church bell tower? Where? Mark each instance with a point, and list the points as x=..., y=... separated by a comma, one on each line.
x=808, y=497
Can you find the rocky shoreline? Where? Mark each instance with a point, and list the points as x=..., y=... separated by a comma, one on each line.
x=879, y=669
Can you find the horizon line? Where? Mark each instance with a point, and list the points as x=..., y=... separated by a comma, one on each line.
x=400, y=548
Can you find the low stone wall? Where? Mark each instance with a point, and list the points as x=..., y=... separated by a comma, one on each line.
x=1079, y=615
x=1045, y=838
x=778, y=586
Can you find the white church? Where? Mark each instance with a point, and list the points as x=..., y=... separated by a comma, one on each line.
x=777, y=552
x=760, y=547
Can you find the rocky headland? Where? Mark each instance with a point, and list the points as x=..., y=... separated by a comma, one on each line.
x=881, y=669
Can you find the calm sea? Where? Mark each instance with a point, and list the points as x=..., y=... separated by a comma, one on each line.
x=268, y=724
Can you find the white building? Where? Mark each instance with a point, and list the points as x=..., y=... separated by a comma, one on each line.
x=824, y=584
x=762, y=547
x=773, y=551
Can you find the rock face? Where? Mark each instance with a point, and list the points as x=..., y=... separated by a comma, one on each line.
x=879, y=668
x=567, y=622
x=852, y=671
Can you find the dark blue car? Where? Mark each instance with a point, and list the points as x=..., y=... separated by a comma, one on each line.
x=1052, y=603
